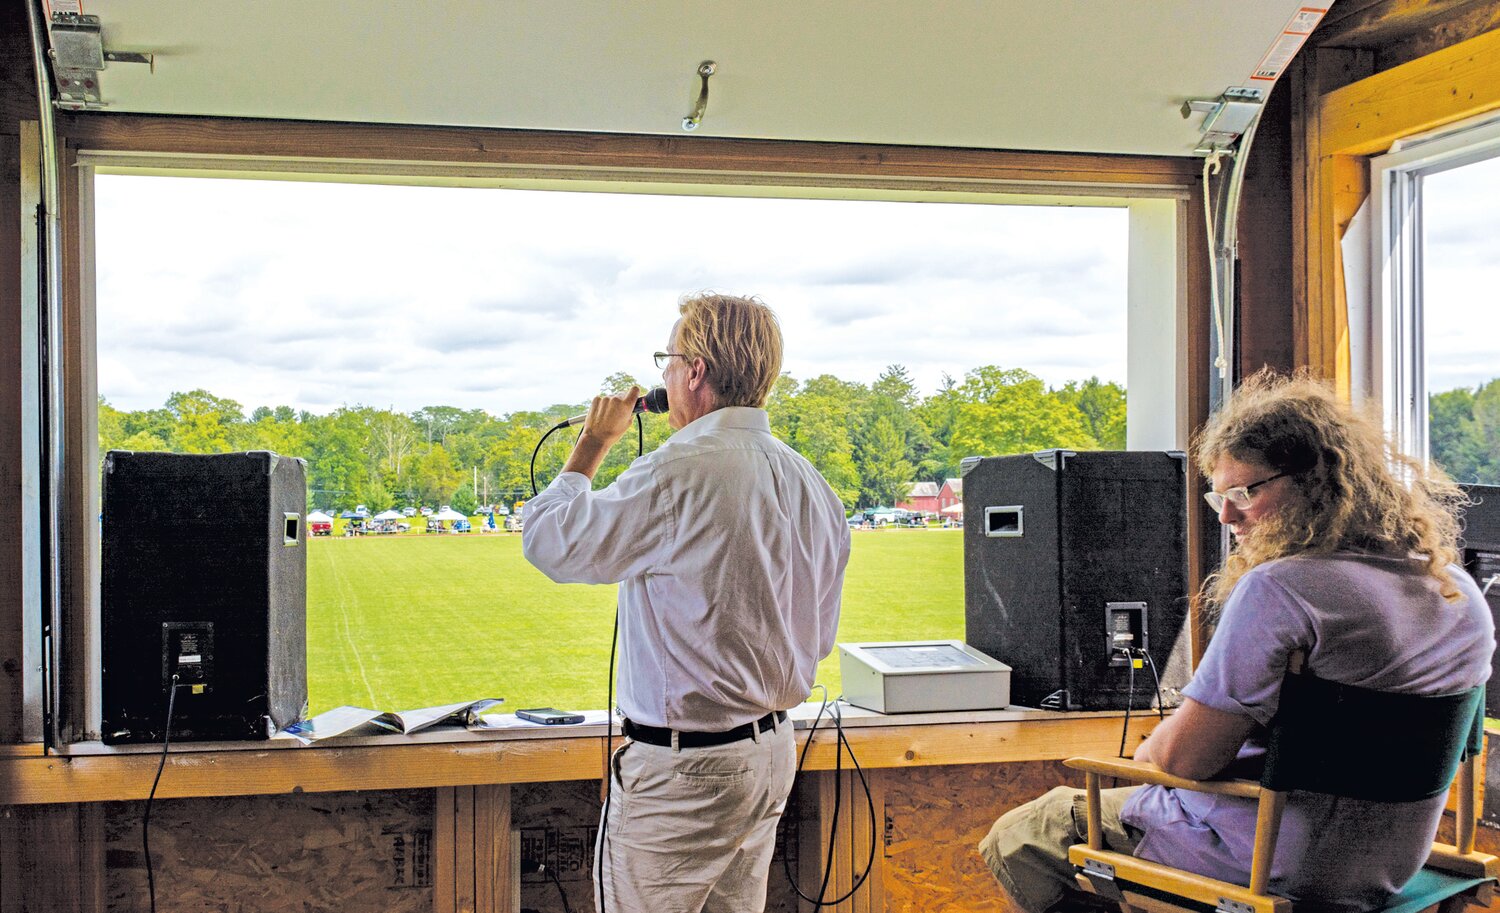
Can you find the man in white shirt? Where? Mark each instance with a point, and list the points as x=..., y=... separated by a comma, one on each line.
x=730, y=551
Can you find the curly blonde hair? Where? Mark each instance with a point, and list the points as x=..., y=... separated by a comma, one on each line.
x=1353, y=488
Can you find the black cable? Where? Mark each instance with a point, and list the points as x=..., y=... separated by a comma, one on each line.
x=609, y=720
x=532, y=468
x=640, y=443
x=1129, y=697
x=609, y=763
x=151, y=797
x=1161, y=702
x=560, y=892
x=841, y=744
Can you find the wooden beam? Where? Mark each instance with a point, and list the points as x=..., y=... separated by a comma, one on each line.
x=747, y=159
x=321, y=769
x=197, y=773
x=1378, y=24
x=1444, y=87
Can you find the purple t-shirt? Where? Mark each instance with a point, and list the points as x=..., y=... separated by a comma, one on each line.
x=1362, y=619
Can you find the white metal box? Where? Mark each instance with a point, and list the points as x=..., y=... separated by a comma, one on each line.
x=922, y=676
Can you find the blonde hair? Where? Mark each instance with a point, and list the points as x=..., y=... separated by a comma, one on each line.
x=1353, y=488
x=739, y=341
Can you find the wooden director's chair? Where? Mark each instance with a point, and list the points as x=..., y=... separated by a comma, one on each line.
x=1318, y=723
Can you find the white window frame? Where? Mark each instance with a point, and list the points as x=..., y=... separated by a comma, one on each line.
x=1390, y=345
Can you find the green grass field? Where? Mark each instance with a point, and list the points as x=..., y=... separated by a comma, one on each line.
x=411, y=621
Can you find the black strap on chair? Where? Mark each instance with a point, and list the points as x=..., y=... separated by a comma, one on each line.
x=1320, y=721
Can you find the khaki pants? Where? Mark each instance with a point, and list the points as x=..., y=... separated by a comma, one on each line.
x=693, y=830
x=1027, y=849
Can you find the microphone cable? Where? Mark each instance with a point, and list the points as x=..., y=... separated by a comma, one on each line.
x=640, y=444
x=841, y=744
x=166, y=743
x=1129, y=696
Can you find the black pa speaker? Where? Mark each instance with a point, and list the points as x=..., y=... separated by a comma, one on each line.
x=204, y=575
x=1070, y=559
x=1481, y=556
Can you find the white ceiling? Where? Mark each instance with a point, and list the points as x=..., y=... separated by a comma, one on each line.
x=1066, y=75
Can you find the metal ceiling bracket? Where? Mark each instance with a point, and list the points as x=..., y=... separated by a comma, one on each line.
x=1227, y=117
x=691, y=122
x=78, y=56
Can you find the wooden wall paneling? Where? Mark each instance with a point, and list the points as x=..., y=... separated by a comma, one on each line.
x=1400, y=31
x=52, y=859
x=1263, y=316
x=1319, y=317
x=445, y=850
x=1193, y=273
x=492, y=849
x=12, y=666
x=464, y=888
x=840, y=825
x=17, y=80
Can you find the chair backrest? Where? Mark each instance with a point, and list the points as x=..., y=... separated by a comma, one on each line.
x=1321, y=727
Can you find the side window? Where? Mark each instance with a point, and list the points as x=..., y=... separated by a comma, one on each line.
x=1461, y=319
x=1435, y=327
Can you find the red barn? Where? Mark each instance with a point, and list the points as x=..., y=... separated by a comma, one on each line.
x=923, y=498
x=950, y=494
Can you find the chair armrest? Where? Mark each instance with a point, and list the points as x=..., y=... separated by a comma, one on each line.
x=1473, y=865
x=1145, y=772
x=1198, y=888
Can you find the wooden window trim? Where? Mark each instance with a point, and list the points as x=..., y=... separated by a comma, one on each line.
x=626, y=158
x=1341, y=129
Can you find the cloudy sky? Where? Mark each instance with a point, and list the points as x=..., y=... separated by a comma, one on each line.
x=1461, y=269
x=321, y=295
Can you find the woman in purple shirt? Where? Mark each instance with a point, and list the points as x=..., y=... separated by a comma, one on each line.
x=1337, y=557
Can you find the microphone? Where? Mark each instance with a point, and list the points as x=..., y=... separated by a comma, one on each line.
x=654, y=401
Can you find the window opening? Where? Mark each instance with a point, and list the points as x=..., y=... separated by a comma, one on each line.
x=275, y=315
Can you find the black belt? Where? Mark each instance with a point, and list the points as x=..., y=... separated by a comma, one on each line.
x=660, y=735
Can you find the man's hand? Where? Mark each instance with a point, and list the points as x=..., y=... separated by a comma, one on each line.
x=608, y=420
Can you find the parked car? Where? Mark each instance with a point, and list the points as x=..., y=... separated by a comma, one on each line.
x=408, y=511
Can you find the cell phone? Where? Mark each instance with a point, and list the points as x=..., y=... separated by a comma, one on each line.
x=549, y=716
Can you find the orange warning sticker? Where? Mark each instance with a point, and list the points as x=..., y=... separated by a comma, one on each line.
x=1288, y=43
x=63, y=6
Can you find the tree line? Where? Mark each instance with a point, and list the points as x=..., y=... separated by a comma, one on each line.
x=1464, y=432
x=871, y=442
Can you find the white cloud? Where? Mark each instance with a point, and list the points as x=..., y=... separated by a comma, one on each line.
x=316, y=295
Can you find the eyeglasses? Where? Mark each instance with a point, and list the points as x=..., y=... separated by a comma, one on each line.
x=1239, y=496
x=661, y=358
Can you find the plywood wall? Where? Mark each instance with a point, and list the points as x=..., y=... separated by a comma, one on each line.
x=325, y=853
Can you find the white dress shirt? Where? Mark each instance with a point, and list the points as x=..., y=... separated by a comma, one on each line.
x=730, y=551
